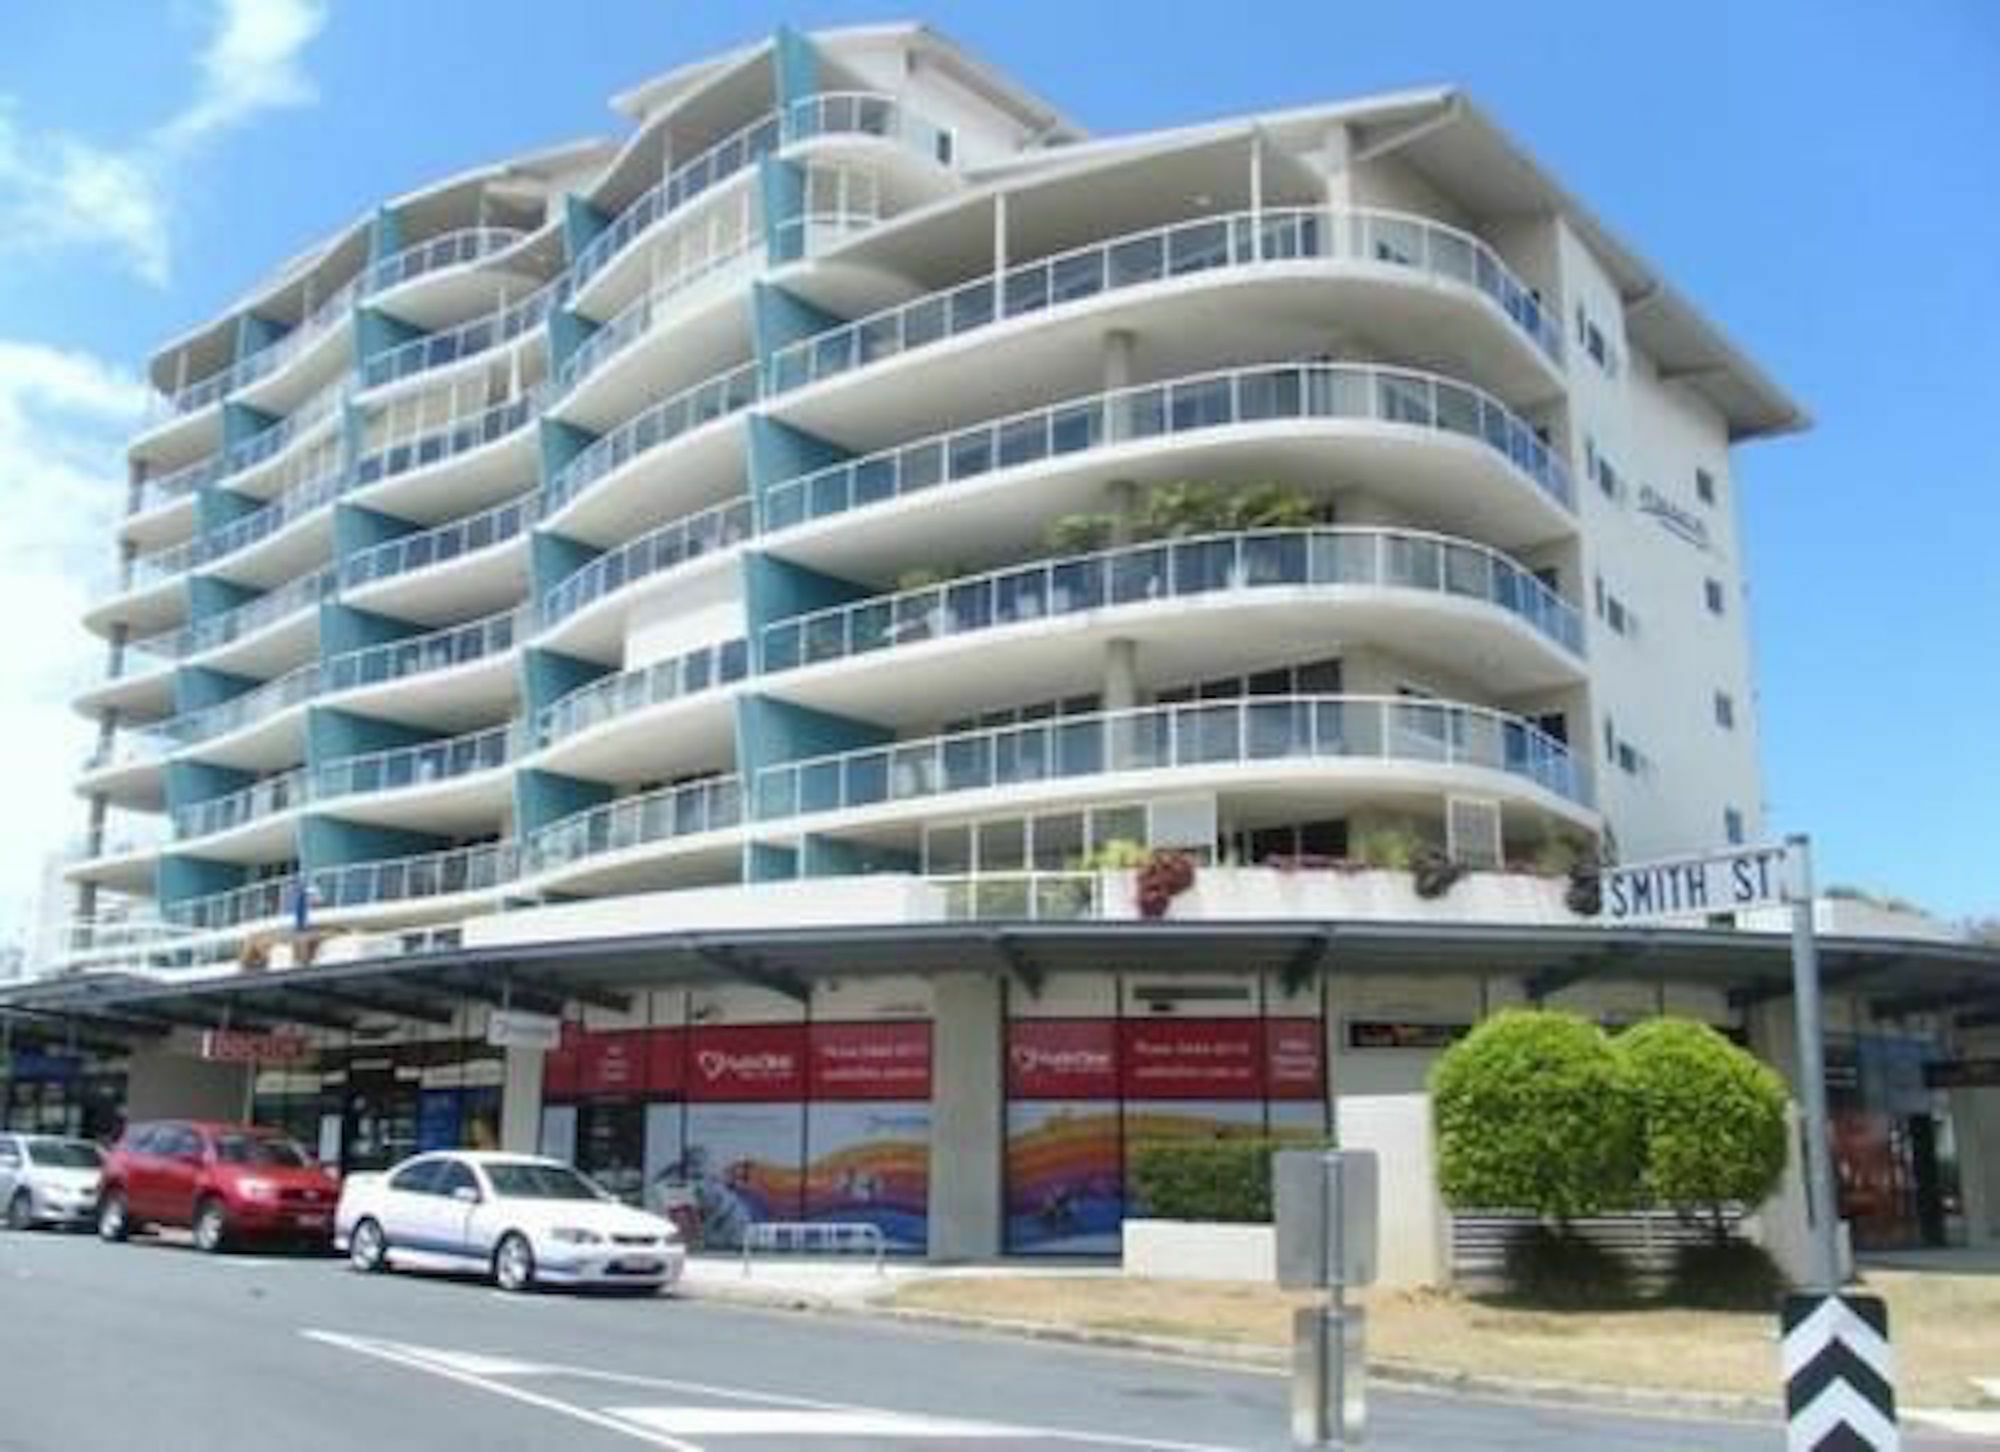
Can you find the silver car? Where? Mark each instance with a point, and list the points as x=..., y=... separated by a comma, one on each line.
x=48, y=1180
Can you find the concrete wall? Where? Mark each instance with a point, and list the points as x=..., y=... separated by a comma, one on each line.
x=169, y=1081
x=966, y=1117
x=521, y=1102
x=1414, y=1244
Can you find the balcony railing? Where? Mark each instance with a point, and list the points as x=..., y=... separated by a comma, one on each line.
x=436, y=650
x=672, y=544
x=683, y=184
x=129, y=746
x=264, y=798
x=480, y=868
x=1240, y=240
x=253, y=615
x=148, y=652
x=1271, y=394
x=711, y=805
x=439, y=350
x=416, y=765
x=652, y=427
x=453, y=249
x=252, y=706
x=628, y=691
x=272, y=897
x=455, y=437
x=247, y=453
x=865, y=113
x=446, y=542
x=1022, y=896
x=295, y=503
x=637, y=318
x=164, y=488
x=1251, y=732
x=1177, y=569
x=327, y=313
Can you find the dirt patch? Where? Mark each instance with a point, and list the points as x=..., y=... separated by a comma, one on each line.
x=1946, y=1329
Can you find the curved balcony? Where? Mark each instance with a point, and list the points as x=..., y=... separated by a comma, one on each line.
x=692, y=809
x=864, y=113
x=1324, y=562
x=261, y=448
x=159, y=651
x=423, y=764
x=450, y=541
x=327, y=314
x=652, y=428
x=451, y=873
x=194, y=727
x=164, y=489
x=462, y=436
x=264, y=900
x=193, y=398
x=456, y=344
x=689, y=538
x=1252, y=739
x=637, y=318
x=1386, y=243
x=683, y=184
x=452, y=249
x=621, y=695
x=158, y=567
x=294, y=504
x=251, y=616
x=436, y=650
x=260, y=800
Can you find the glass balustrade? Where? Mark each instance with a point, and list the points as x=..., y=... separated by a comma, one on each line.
x=865, y=113
x=247, y=453
x=254, y=615
x=264, y=798
x=466, y=340
x=711, y=805
x=675, y=544
x=682, y=185
x=1029, y=896
x=260, y=524
x=453, y=249
x=162, y=489
x=660, y=423
x=1242, y=239
x=436, y=546
x=273, y=897
x=1176, y=569
x=638, y=317
x=480, y=868
x=129, y=746
x=435, y=650
x=1246, y=396
x=457, y=437
x=253, y=705
x=328, y=313
x=634, y=690
x=415, y=765
x=1253, y=731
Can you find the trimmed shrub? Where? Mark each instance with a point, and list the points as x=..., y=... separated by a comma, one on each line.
x=1713, y=1118
x=1535, y=1112
x=1728, y=1275
x=1209, y=1179
x=1545, y=1267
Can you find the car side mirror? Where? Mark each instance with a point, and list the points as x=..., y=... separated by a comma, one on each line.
x=465, y=1195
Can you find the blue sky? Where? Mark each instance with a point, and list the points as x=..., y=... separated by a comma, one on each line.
x=1816, y=174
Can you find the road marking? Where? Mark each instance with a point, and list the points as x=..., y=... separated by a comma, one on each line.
x=1965, y=1423
x=770, y=1413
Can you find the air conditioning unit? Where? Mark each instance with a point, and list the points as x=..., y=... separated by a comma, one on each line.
x=1472, y=831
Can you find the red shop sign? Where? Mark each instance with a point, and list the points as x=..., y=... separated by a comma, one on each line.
x=666, y=1061
x=870, y=1061
x=612, y=1062
x=560, y=1065
x=1295, y=1058
x=747, y=1063
x=1188, y=1058
x=1062, y=1058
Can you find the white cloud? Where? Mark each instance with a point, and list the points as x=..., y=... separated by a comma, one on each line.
x=60, y=192
x=64, y=417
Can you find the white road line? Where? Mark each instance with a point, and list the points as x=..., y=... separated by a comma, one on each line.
x=498, y=1388
x=792, y=1422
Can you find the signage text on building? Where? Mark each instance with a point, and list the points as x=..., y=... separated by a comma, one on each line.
x=235, y=1046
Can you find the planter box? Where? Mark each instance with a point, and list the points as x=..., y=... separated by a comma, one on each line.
x=1200, y=1250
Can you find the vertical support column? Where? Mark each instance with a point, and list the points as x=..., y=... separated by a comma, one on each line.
x=968, y=1116
x=521, y=1102
x=1121, y=674
x=1119, y=347
x=1337, y=169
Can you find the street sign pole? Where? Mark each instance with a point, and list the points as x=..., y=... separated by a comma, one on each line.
x=1811, y=1035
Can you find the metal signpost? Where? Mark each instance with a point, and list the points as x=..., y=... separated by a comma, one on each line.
x=1325, y=1206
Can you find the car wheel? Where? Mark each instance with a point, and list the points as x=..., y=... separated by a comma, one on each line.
x=514, y=1263
x=20, y=1211
x=112, y=1222
x=367, y=1250
x=211, y=1226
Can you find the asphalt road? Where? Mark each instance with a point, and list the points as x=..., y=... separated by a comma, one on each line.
x=153, y=1346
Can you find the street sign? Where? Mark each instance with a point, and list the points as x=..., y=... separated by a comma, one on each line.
x=511, y=1028
x=1839, y=1374
x=1722, y=882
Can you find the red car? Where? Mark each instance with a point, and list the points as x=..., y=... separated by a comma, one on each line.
x=226, y=1182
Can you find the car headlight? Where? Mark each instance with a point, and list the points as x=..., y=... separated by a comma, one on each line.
x=575, y=1235
x=257, y=1189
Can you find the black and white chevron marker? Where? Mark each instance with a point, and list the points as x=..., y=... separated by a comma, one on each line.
x=1840, y=1376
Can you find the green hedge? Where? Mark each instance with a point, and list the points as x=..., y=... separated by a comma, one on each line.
x=1224, y=1179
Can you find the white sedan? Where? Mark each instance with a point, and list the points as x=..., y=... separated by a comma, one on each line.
x=527, y=1221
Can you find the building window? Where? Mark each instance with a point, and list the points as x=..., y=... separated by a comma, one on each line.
x=1610, y=739
x=1725, y=710
x=1732, y=826
x=1704, y=486
x=1712, y=589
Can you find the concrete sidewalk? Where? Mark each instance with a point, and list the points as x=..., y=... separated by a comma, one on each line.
x=847, y=1282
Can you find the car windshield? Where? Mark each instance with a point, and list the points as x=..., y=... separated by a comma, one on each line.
x=260, y=1149
x=540, y=1182
x=64, y=1154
